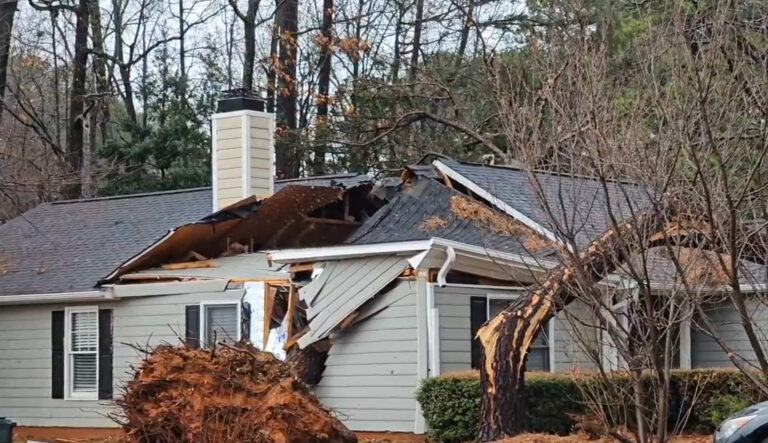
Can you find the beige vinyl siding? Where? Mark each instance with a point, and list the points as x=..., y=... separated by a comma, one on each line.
x=706, y=353
x=370, y=376
x=25, y=354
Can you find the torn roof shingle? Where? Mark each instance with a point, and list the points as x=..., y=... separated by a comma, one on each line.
x=347, y=181
x=406, y=218
x=576, y=206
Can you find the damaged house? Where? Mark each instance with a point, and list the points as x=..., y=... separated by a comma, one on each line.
x=386, y=279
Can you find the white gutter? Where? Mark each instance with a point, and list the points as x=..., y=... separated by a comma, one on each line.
x=449, y=260
x=514, y=213
x=56, y=297
x=527, y=261
x=346, y=251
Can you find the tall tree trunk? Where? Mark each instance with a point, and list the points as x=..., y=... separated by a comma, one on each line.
x=416, y=47
x=7, y=12
x=273, y=57
x=506, y=338
x=468, y=19
x=123, y=67
x=77, y=110
x=101, y=112
x=249, y=57
x=182, y=57
x=323, y=87
x=398, y=33
x=287, y=142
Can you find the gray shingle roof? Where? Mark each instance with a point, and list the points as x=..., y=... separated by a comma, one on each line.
x=69, y=246
x=578, y=205
x=402, y=218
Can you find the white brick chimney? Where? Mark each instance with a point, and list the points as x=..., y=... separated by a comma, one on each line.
x=243, y=152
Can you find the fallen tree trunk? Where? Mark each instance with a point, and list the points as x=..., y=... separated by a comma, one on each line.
x=507, y=338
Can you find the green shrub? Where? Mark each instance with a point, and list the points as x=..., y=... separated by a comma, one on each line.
x=451, y=403
x=725, y=406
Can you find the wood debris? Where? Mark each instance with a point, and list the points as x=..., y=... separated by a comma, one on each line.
x=192, y=265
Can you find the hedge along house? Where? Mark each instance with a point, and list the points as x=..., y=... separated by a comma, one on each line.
x=82, y=282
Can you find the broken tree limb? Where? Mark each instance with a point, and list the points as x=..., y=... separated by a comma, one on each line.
x=507, y=338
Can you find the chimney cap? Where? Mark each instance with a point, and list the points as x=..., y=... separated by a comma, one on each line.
x=240, y=99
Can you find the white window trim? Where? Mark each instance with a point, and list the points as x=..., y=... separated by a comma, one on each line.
x=203, y=304
x=68, y=393
x=550, y=323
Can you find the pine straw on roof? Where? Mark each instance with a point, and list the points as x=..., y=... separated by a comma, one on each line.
x=433, y=223
x=485, y=217
x=701, y=266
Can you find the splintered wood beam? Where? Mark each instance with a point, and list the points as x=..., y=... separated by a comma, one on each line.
x=269, y=301
x=447, y=181
x=292, y=340
x=302, y=267
x=192, y=265
x=291, y=307
x=347, y=322
x=330, y=221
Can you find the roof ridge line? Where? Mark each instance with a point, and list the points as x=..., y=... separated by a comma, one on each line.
x=127, y=196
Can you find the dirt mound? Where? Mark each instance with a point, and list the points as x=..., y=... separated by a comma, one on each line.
x=230, y=394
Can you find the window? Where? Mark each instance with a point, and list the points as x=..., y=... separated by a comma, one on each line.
x=484, y=308
x=82, y=353
x=220, y=322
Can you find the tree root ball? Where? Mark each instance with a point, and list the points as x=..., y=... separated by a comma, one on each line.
x=232, y=393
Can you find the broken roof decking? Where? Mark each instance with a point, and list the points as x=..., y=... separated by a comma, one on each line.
x=68, y=246
x=577, y=204
x=277, y=221
x=239, y=267
x=407, y=217
x=342, y=287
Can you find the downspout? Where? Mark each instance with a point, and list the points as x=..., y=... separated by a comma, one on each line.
x=449, y=261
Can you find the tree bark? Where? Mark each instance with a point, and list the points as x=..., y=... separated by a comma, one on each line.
x=287, y=140
x=249, y=57
x=123, y=68
x=7, y=12
x=506, y=338
x=416, y=47
x=77, y=110
x=324, y=87
x=101, y=113
x=182, y=57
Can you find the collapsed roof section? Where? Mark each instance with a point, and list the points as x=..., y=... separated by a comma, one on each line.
x=296, y=215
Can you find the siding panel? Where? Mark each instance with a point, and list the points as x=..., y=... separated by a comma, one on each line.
x=370, y=376
x=25, y=355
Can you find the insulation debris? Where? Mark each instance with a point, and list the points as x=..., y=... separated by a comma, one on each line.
x=231, y=393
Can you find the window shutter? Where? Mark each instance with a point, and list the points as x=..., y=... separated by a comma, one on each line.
x=192, y=326
x=478, y=315
x=57, y=354
x=105, y=354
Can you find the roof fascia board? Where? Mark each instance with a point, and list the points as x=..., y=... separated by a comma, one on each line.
x=169, y=288
x=509, y=210
x=55, y=297
x=346, y=251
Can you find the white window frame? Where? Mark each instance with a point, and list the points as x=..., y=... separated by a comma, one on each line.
x=550, y=323
x=69, y=393
x=204, y=304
